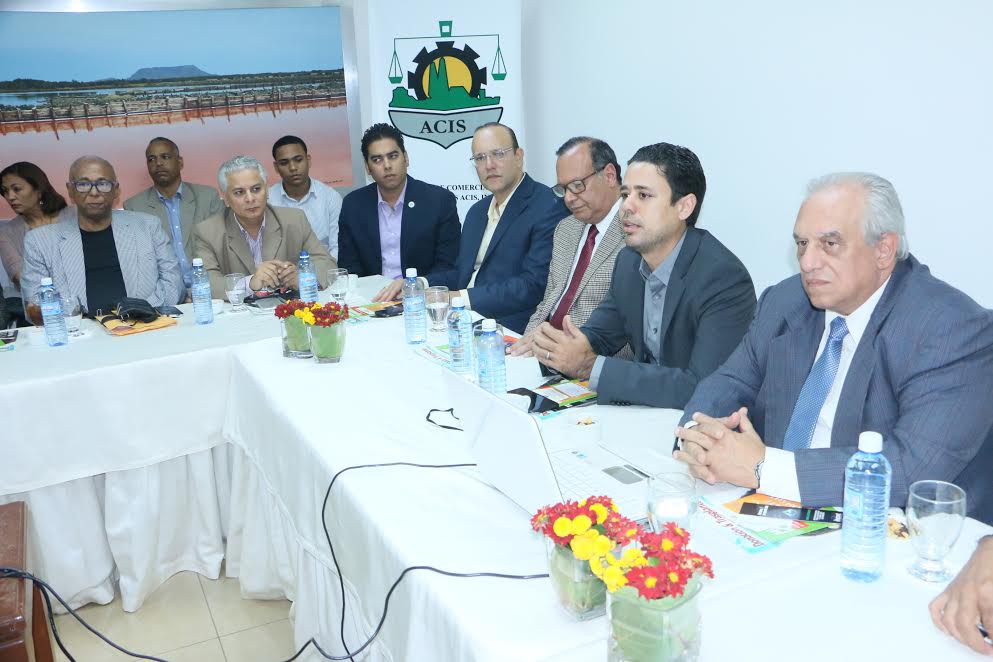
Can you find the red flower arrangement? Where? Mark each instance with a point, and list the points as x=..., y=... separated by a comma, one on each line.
x=329, y=313
x=287, y=309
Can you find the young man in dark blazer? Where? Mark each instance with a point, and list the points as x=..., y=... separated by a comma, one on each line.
x=678, y=297
x=396, y=222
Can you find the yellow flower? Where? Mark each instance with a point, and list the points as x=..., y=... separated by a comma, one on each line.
x=631, y=533
x=614, y=578
x=611, y=559
x=602, y=545
x=650, y=582
x=582, y=503
x=596, y=567
x=601, y=512
x=562, y=527
x=673, y=577
x=582, y=548
x=633, y=557
x=298, y=313
x=667, y=545
x=581, y=524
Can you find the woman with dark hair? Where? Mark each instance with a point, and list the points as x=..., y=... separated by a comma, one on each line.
x=30, y=195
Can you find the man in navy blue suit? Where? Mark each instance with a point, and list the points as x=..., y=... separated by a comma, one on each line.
x=397, y=222
x=502, y=264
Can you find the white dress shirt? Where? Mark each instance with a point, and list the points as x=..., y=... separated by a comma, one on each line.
x=493, y=216
x=321, y=205
x=779, y=477
x=601, y=227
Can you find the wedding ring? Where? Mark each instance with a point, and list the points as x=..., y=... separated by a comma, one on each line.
x=548, y=356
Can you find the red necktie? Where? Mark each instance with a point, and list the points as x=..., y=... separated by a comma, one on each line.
x=577, y=278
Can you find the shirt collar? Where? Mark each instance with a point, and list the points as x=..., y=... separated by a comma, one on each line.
x=244, y=232
x=398, y=203
x=497, y=210
x=610, y=215
x=859, y=319
x=286, y=196
x=178, y=196
x=660, y=277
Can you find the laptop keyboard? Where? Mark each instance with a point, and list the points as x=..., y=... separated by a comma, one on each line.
x=578, y=479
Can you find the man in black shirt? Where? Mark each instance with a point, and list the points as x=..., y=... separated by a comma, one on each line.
x=100, y=255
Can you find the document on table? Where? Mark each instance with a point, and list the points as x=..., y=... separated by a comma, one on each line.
x=567, y=392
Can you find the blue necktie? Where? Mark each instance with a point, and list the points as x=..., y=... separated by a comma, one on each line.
x=815, y=390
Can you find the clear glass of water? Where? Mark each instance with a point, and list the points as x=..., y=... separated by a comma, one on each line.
x=436, y=302
x=935, y=513
x=235, y=291
x=72, y=312
x=671, y=498
x=338, y=284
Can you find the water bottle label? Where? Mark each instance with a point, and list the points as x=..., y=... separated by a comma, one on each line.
x=51, y=308
x=413, y=305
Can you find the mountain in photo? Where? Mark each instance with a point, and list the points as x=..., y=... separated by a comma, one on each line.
x=162, y=73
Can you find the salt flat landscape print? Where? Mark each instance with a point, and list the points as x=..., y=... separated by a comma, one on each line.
x=115, y=80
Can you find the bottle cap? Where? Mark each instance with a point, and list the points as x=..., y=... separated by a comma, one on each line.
x=489, y=325
x=46, y=281
x=411, y=272
x=871, y=442
x=197, y=262
x=458, y=302
x=304, y=255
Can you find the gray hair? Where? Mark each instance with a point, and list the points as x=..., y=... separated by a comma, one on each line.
x=90, y=158
x=238, y=164
x=601, y=154
x=882, y=212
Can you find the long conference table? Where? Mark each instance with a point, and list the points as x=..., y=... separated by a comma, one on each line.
x=172, y=450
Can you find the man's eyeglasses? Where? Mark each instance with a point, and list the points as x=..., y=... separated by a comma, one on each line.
x=101, y=185
x=496, y=154
x=576, y=186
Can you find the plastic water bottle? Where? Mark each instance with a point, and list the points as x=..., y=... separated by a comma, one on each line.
x=51, y=314
x=492, y=369
x=460, y=337
x=203, y=307
x=308, y=278
x=415, y=322
x=867, y=502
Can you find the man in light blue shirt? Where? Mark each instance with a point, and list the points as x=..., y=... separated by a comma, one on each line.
x=178, y=205
x=320, y=202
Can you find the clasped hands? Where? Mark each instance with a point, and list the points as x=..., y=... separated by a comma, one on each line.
x=722, y=449
x=567, y=351
x=273, y=274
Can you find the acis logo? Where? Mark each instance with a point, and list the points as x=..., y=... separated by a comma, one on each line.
x=445, y=99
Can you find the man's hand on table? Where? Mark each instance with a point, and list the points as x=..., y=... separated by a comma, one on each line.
x=968, y=600
x=391, y=291
x=266, y=276
x=722, y=449
x=567, y=351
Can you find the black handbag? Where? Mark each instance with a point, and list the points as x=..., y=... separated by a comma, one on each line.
x=138, y=310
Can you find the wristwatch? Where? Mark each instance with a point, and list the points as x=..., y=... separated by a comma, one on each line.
x=758, y=473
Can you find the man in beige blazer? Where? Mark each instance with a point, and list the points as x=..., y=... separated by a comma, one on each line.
x=585, y=243
x=253, y=238
x=179, y=205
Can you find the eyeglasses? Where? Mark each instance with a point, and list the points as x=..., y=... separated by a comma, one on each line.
x=101, y=185
x=576, y=186
x=496, y=154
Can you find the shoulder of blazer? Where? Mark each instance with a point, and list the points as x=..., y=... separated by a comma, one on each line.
x=212, y=228
x=289, y=218
x=144, y=198
x=360, y=196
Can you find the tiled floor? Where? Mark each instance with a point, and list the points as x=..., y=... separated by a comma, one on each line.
x=188, y=619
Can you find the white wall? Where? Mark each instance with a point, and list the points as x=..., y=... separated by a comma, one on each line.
x=772, y=93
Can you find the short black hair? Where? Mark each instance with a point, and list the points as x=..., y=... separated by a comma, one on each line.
x=513, y=136
x=681, y=169
x=378, y=132
x=288, y=140
x=160, y=139
x=600, y=153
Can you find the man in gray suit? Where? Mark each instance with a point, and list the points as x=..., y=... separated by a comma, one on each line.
x=863, y=338
x=586, y=242
x=179, y=205
x=99, y=255
x=678, y=297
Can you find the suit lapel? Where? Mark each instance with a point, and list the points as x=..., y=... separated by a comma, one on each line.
x=515, y=207
x=272, y=239
x=851, y=402
x=187, y=212
x=472, y=237
x=677, y=284
x=791, y=356
x=73, y=262
x=237, y=245
x=561, y=264
x=408, y=222
x=127, y=253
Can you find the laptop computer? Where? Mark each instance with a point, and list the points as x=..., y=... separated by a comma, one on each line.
x=536, y=464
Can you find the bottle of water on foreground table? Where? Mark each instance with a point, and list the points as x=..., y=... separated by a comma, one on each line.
x=415, y=323
x=203, y=307
x=460, y=337
x=51, y=313
x=867, y=502
x=307, y=278
x=492, y=369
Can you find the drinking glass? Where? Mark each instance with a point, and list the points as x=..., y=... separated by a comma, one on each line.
x=338, y=284
x=436, y=301
x=935, y=513
x=671, y=498
x=72, y=312
x=235, y=290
